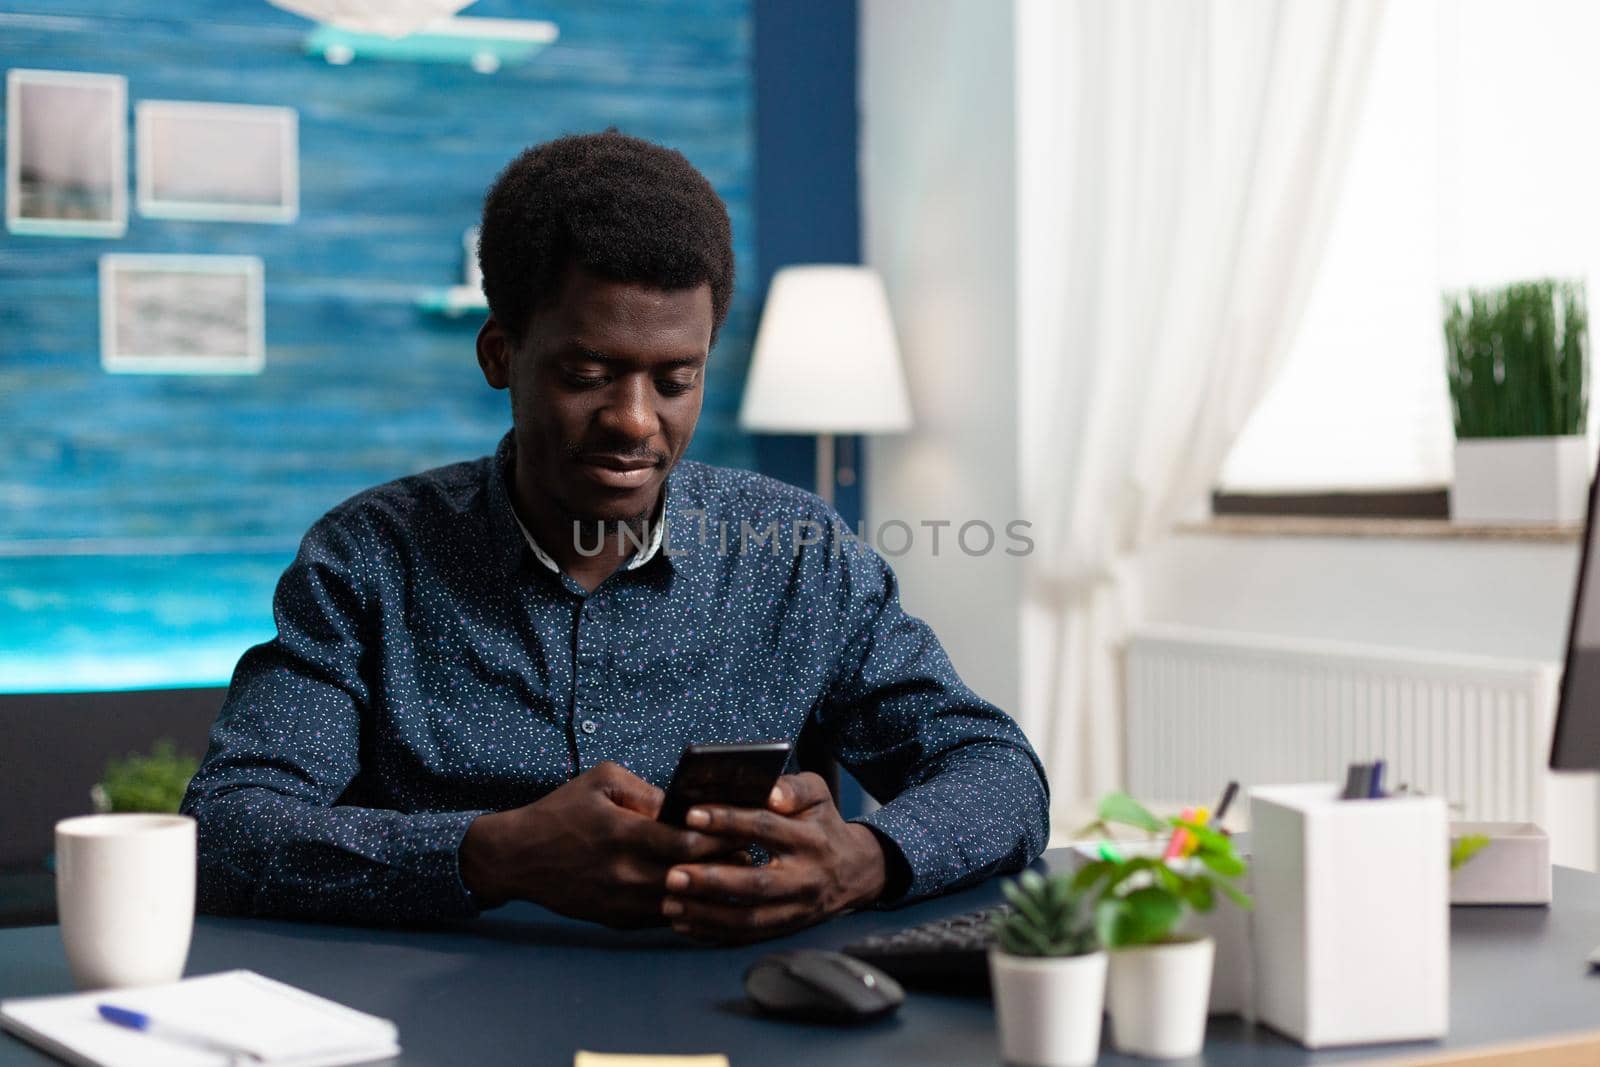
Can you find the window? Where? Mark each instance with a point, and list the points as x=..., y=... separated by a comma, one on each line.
x=1475, y=164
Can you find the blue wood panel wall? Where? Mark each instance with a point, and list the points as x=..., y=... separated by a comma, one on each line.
x=144, y=519
x=807, y=189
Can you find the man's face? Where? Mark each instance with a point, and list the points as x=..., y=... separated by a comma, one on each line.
x=606, y=388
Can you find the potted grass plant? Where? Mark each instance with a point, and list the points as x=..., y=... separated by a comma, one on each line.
x=151, y=783
x=1048, y=974
x=148, y=782
x=1517, y=362
x=1159, y=985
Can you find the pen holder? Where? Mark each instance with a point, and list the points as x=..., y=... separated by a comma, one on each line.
x=1352, y=915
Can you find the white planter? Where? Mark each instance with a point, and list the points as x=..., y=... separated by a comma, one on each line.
x=1511, y=480
x=1049, y=1007
x=1158, y=996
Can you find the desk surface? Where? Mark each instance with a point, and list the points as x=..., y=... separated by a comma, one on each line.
x=520, y=986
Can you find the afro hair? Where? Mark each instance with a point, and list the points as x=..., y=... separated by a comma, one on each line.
x=619, y=206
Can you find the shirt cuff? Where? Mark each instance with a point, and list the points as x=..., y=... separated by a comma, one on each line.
x=435, y=839
x=917, y=846
x=896, y=870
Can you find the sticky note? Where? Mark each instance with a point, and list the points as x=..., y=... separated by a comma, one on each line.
x=628, y=1059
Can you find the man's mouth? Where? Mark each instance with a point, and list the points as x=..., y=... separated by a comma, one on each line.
x=618, y=472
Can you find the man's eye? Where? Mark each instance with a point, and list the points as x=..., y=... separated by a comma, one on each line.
x=585, y=381
x=669, y=387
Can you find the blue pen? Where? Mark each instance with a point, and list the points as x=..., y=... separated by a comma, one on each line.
x=138, y=1020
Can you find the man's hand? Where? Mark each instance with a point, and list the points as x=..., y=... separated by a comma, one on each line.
x=820, y=866
x=591, y=849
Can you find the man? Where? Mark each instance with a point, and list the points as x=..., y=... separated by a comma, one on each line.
x=484, y=674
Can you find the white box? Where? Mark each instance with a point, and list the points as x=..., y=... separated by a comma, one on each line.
x=1352, y=916
x=1513, y=868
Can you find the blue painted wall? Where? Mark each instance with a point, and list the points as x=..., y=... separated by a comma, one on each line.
x=807, y=193
x=807, y=189
x=144, y=520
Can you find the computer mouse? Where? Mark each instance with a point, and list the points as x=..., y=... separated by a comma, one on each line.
x=817, y=986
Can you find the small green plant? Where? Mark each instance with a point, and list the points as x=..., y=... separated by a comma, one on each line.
x=1048, y=917
x=1139, y=900
x=1462, y=849
x=1517, y=359
x=147, y=783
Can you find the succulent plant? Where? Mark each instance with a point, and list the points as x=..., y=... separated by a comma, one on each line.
x=1048, y=917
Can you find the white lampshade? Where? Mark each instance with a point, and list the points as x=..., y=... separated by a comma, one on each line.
x=825, y=360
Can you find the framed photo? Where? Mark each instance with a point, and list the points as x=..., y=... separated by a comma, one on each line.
x=66, y=153
x=181, y=314
x=222, y=162
x=472, y=275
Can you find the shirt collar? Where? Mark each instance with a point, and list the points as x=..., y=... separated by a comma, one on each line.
x=505, y=540
x=637, y=560
x=502, y=507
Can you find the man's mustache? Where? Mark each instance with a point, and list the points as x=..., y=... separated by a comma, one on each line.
x=627, y=453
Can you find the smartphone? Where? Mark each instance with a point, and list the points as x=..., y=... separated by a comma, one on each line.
x=739, y=775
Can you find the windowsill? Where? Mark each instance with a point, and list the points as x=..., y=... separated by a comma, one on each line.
x=1319, y=526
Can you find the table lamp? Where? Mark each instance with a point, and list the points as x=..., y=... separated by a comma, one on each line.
x=825, y=361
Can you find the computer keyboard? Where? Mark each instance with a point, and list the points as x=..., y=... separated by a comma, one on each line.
x=950, y=953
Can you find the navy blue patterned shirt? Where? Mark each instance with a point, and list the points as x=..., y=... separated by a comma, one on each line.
x=428, y=669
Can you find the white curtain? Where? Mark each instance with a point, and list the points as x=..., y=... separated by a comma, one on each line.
x=1178, y=166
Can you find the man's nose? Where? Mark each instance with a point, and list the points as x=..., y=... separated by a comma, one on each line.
x=630, y=411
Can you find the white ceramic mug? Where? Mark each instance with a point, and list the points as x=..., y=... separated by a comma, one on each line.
x=125, y=895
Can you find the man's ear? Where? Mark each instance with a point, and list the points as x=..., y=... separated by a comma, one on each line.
x=495, y=349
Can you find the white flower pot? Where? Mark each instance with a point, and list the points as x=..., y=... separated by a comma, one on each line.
x=1049, y=1007
x=1158, y=996
x=1511, y=480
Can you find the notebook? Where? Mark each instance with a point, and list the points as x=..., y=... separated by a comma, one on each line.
x=287, y=1027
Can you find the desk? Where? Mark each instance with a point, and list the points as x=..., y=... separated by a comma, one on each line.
x=520, y=986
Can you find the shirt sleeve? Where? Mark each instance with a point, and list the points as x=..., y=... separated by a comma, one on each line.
x=273, y=838
x=964, y=795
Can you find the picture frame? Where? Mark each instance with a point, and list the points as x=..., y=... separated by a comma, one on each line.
x=472, y=271
x=181, y=314
x=66, y=153
x=217, y=162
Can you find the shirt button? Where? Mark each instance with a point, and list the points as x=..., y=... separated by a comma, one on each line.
x=590, y=726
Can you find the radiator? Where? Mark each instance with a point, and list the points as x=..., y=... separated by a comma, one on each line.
x=1204, y=708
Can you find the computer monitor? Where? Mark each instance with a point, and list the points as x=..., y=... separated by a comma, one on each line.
x=1576, y=744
